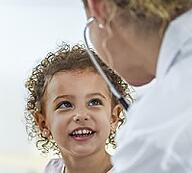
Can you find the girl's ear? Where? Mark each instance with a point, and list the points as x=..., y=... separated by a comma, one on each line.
x=41, y=122
x=117, y=110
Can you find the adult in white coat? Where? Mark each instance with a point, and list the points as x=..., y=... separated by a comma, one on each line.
x=143, y=40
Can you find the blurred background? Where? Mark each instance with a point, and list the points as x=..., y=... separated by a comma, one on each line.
x=29, y=29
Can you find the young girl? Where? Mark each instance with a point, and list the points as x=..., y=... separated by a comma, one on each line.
x=71, y=110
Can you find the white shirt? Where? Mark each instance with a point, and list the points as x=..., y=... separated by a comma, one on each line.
x=157, y=136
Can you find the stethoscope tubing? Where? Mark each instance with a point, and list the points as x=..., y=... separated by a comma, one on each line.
x=120, y=98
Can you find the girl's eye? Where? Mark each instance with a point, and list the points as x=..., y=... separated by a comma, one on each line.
x=95, y=102
x=64, y=105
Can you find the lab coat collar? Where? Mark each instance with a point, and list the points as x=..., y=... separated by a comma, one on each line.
x=176, y=35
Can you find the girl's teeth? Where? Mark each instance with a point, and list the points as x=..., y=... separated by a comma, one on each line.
x=82, y=132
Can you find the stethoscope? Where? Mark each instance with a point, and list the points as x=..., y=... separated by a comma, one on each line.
x=120, y=98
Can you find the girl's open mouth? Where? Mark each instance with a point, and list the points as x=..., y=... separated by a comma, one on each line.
x=82, y=134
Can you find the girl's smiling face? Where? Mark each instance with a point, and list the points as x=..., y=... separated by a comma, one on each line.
x=78, y=112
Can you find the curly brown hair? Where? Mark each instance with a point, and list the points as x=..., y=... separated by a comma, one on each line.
x=65, y=59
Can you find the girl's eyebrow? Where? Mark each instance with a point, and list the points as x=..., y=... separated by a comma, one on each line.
x=96, y=94
x=62, y=96
x=72, y=96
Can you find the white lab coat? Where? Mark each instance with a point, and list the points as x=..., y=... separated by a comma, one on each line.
x=157, y=136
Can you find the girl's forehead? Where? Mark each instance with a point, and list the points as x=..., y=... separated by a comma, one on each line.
x=77, y=82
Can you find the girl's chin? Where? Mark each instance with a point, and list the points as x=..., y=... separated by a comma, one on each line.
x=86, y=150
x=83, y=152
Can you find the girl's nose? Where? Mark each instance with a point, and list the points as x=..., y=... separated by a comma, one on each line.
x=80, y=118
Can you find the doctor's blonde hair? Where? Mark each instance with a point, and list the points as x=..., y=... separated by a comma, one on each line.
x=65, y=59
x=150, y=14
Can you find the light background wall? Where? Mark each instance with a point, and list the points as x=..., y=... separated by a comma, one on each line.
x=29, y=29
